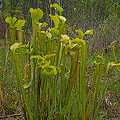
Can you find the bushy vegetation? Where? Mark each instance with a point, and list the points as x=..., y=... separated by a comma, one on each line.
x=59, y=72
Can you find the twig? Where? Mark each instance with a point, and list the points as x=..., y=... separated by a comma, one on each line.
x=13, y=115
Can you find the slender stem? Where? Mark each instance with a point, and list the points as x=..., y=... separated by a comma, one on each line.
x=13, y=35
x=92, y=89
x=102, y=90
x=34, y=88
x=63, y=76
x=18, y=74
x=101, y=66
x=83, y=67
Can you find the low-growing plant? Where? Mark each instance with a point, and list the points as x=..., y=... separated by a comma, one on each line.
x=48, y=87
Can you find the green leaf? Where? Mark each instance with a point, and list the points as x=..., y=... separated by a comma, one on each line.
x=72, y=47
x=55, y=19
x=15, y=46
x=77, y=40
x=47, y=65
x=96, y=63
x=67, y=74
x=65, y=36
x=44, y=24
x=88, y=32
x=46, y=73
x=55, y=33
x=65, y=40
x=60, y=9
x=113, y=64
x=62, y=18
x=36, y=56
x=19, y=24
x=75, y=47
x=43, y=32
x=49, y=35
x=11, y=21
x=67, y=47
x=57, y=68
x=55, y=71
x=49, y=71
x=100, y=57
x=113, y=43
x=26, y=85
x=49, y=55
x=36, y=14
x=80, y=33
x=26, y=51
